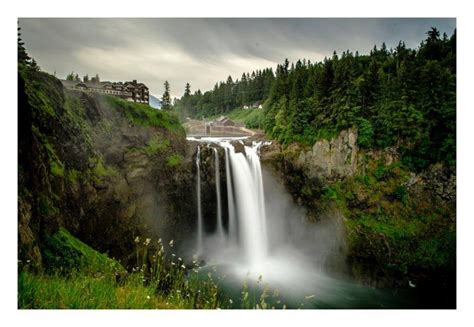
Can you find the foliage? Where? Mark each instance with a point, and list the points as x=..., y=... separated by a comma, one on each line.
x=63, y=254
x=80, y=277
x=251, y=90
x=396, y=97
x=166, y=98
x=401, y=231
x=174, y=160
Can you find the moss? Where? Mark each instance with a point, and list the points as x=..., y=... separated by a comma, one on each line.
x=46, y=206
x=64, y=253
x=174, y=160
x=57, y=168
x=100, y=169
x=72, y=176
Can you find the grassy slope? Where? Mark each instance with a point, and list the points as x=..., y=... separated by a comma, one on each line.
x=79, y=277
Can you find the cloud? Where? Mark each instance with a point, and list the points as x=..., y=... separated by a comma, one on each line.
x=203, y=51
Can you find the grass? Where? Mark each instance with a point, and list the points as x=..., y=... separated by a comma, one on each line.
x=80, y=291
x=78, y=277
x=144, y=115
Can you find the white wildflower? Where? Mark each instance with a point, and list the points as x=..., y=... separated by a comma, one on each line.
x=171, y=243
x=230, y=301
x=137, y=239
x=147, y=241
x=183, y=266
x=148, y=297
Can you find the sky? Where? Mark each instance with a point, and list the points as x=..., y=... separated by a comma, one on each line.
x=203, y=51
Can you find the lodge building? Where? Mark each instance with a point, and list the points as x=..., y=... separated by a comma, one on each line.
x=130, y=91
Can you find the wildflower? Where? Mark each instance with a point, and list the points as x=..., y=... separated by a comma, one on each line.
x=159, y=240
x=230, y=301
x=195, y=270
x=309, y=297
x=147, y=241
x=183, y=266
x=171, y=243
x=173, y=255
x=137, y=239
x=172, y=263
x=148, y=297
x=28, y=261
x=179, y=259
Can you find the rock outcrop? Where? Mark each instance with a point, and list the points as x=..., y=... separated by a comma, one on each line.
x=104, y=169
x=333, y=159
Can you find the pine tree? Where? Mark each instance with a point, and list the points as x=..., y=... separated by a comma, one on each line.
x=187, y=90
x=23, y=57
x=166, y=98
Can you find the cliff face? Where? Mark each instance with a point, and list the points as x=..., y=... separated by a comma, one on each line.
x=331, y=159
x=105, y=169
x=399, y=225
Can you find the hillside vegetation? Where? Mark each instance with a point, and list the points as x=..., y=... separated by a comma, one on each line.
x=395, y=97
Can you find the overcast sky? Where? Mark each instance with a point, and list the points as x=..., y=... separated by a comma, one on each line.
x=203, y=51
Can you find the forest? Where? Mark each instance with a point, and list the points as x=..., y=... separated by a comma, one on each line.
x=395, y=97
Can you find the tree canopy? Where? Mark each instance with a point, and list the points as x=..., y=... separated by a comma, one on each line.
x=395, y=97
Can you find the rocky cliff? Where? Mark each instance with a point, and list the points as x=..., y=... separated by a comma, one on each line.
x=400, y=225
x=105, y=169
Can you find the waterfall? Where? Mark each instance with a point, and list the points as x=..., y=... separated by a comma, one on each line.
x=250, y=211
x=232, y=227
x=247, y=230
x=220, y=226
x=200, y=226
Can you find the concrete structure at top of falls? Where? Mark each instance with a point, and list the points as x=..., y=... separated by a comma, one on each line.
x=200, y=226
x=220, y=225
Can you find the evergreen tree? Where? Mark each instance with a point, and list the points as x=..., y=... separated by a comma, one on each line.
x=166, y=98
x=23, y=57
x=187, y=90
